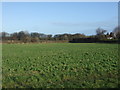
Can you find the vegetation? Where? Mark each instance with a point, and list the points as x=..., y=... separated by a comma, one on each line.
x=60, y=65
x=117, y=32
x=26, y=37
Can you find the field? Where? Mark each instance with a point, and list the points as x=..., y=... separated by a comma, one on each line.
x=60, y=65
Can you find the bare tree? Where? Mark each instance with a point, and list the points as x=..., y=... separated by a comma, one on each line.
x=100, y=31
x=116, y=32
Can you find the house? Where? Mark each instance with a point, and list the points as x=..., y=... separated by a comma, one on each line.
x=109, y=37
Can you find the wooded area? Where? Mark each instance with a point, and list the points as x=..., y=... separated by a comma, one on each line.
x=35, y=37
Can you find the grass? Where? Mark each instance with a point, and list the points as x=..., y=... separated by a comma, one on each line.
x=60, y=65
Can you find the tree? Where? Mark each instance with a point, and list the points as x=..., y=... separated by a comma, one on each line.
x=116, y=32
x=35, y=34
x=100, y=33
x=57, y=37
x=78, y=35
x=15, y=36
x=111, y=34
x=49, y=37
x=24, y=36
x=4, y=35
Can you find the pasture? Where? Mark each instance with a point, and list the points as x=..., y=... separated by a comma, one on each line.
x=60, y=65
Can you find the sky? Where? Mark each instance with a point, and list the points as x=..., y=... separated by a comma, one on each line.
x=59, y=17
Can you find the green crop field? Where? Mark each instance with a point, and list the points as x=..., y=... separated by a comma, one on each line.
x=60, y=65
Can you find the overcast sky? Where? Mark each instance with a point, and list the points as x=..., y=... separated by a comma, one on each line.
x=59, y=17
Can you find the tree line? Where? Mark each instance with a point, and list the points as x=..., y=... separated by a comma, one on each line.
x=26, y=37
